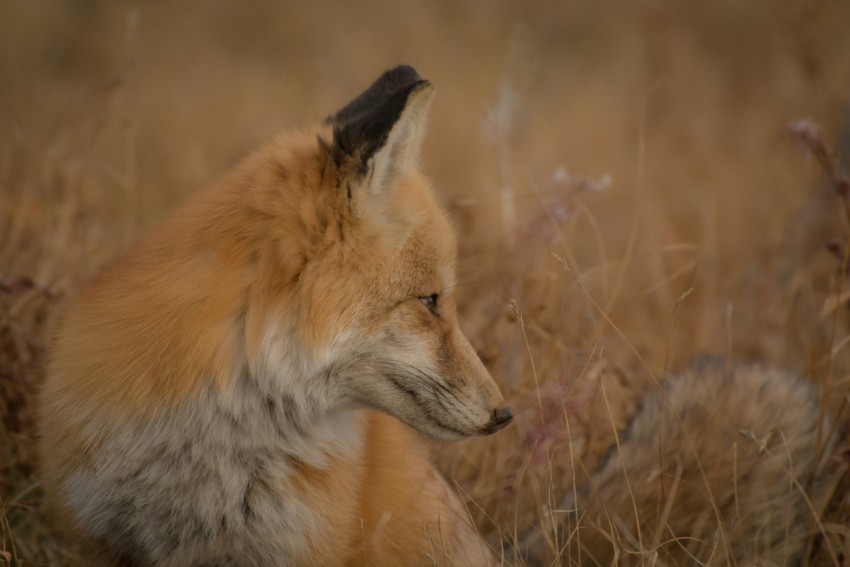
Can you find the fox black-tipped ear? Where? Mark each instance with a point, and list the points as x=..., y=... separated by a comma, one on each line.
x=380, y=132
x=390, y=82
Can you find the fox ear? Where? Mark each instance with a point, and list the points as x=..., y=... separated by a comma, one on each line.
x=378, y=135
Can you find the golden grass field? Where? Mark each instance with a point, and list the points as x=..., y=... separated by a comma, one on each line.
x=622, y=176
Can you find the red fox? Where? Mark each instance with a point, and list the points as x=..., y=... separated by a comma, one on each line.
x=242, y=385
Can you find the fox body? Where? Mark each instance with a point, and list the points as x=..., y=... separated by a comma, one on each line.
x=219, y=393
x=725, y=464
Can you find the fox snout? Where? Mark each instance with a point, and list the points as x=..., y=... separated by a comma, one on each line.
x=501, y=418
x=483, y=403
x=497, y=419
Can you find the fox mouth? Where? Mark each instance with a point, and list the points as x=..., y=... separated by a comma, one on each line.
x=417, y=399
x=440, y=395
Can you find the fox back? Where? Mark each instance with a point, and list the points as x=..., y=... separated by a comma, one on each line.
x=211, y=392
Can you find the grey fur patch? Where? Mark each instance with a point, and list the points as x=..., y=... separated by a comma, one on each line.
x=205, y=481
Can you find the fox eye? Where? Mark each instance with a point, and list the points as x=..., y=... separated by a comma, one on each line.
x=430, y=301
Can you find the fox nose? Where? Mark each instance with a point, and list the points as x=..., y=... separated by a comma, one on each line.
x=501, y=418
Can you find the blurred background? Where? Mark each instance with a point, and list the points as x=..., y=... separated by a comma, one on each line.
x=622, y=175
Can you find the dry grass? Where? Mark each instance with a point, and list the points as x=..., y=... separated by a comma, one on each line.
x=627, y=191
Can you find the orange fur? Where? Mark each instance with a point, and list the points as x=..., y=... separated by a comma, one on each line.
x=213, y=384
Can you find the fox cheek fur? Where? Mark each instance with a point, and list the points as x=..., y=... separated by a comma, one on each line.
x=432, y=381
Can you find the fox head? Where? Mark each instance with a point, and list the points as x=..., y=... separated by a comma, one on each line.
x=319, y=272
x=372, y=256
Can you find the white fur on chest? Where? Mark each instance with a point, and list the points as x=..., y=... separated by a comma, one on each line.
x=208, y=481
